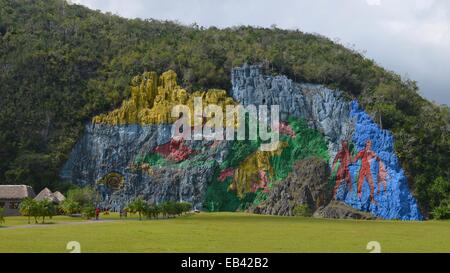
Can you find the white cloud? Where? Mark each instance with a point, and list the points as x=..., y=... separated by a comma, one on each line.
x=409, y=37
x=373, y=2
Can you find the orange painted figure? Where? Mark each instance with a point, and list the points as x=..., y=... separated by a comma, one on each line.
x=343, y=172
x=366, y=157
x=382, y=176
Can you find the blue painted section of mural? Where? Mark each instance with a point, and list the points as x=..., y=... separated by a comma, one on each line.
x=396, y=202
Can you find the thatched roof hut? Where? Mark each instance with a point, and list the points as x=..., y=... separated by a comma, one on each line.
x=59, y=196
x=12, y=195
x=15, y=192
x=46, y=194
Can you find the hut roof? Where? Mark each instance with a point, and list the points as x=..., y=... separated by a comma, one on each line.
x=46, y=194
x=12, y=192
x=59, y=196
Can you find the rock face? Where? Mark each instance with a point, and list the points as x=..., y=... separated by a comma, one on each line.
x=375, y=181
x=153, y=98
x=339, y=210
x=106, y=149
x=306, y=185
x=129, y=152
x=392, y=199
x=324, y=109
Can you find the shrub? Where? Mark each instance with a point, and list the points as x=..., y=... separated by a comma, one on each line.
x=70, y=206
x=138, y=206
x=46, y=209
x=169, y=209
x=179, y=208
x=26, y=207
x=83, y=196
x=153, y=211
x=302, y=210
x=35, y=211
x=442, y=212
x=186, y=207
x=88, y=212
x=2, y=219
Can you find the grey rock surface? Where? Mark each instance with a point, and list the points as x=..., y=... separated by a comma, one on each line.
x=106, y=149
x=339, y=210
x=324, y=109
x=306, y=185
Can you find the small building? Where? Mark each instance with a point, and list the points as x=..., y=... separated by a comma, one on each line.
x=12, y=195
x=46, y=194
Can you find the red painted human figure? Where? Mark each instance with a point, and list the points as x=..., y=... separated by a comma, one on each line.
x=366, y=157
x=343, y=172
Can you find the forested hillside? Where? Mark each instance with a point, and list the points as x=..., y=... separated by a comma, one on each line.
x=62, y=64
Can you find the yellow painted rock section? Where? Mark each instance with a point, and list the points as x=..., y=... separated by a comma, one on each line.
x=247, y=173
x=153, y=98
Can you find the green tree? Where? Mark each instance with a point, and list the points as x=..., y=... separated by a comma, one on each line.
x=169, y=209
x=35, y=210
x=70, y=207
x=442, y=212
x=186, y=207
x=153, y=211
x=46, y=209
x=88, y=212
x=138, y=206
x=179, y=209
x=2, y=218
x=440, y=191
x=26, y=207
x=302, y=210
x=83, y=196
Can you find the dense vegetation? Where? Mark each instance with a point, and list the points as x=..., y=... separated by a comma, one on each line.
x=152, y=211
x=37, y=209
x=80, y=201
x=60, y=65
x=2, y=219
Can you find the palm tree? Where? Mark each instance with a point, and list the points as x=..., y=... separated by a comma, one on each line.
x=138, y=206
x=46, y=208
x=26, y=207
x=2, y=219
x=35, y=211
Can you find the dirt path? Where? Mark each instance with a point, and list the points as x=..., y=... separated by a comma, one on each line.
x=58, y=224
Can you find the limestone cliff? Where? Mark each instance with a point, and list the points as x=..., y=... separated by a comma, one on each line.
x=307, y=184
x=129, y=151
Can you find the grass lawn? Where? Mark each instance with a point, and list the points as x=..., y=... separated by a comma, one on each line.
x=226, y=232
x=22, y=221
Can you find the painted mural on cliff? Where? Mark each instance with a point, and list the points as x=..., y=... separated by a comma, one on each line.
x=372, y=179
x=134, y=143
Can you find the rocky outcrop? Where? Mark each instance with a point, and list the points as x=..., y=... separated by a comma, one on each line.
x=306, y=185
x=129, y=152
x=106, y=149
x=324, y=109
x=375, y=182
x=152, y=100
x=339, y=210
x=387, y=182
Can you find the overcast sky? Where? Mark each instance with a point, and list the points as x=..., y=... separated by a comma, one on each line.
x=410, y=37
